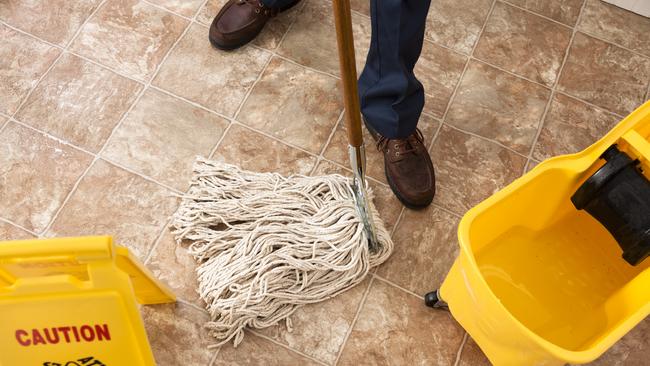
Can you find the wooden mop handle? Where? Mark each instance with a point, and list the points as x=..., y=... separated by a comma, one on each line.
x=345, y=40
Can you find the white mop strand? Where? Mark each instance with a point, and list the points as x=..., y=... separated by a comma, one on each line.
x=268, y=244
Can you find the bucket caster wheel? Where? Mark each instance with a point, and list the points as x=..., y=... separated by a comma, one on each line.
x=433, y=300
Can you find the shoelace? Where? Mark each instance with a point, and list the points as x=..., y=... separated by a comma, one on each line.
x=401, y=146
x=259, y=7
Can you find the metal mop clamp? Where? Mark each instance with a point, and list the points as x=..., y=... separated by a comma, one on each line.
x=345, y=41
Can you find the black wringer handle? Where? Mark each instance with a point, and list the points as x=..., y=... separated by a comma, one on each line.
x=618, y=196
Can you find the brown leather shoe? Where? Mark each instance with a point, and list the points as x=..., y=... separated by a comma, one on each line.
x=408, y=167
x=240, y=21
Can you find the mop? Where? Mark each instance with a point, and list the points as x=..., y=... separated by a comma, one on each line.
x=268, y=244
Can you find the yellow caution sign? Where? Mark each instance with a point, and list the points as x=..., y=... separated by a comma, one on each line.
x=73, y=302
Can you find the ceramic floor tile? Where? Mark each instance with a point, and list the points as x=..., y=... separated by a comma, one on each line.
x=130, y=36
x=294, y=104
x=210, y=10
x=182, y=7
x=395, y=328
x=319, y=330
x=531, y=165
x=112, y=201
x=457, y=23
x=472, y=355
x=605, y=75
x=616, y=25
x=425, y=249
x=312, y=39
x=571, y=126
x=255, y=350
x=54, y=21
x=176, y=334
x=255, y=152
x=631, y=350
x=387, y=204
x=216, y=79
x=11, y=232
x=470, y=169
x=499, y=106
x=337, y=150
x=162, y=136
x=171, y=263
x=362, y=6
x=439, y=70
x=273, y=31
x=79, y=102
x=564, y=11
x=23, y=60
x=524, y=43
x=37, y=173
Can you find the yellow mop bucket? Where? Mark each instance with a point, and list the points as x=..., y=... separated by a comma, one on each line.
x=539, y=282
x=73, y=301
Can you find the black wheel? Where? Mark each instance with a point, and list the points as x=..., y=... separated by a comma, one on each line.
x=432, y=300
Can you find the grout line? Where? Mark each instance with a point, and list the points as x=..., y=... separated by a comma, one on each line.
x=435, y=135
x=263, y=336
x=92, y=154
x=380, y=278
x=298, y=11
x=486, y=139
x=328, y=141
x=4, y=124
x=397, y=222
x=557, y=91
x=526, y=167
x=274, y=138
x=513, y=74
x=469, y=58
x=143, y=176
x=159, y=7
x=109, y=68
x=157, y=241
x=195, y=104
x=459, y=353
x=31, y=35
x=285, y=58
x=81, y=27
x=67, y=197
x=194, y=306
x=347, y=169
x=508, y=3
x=542, y=119
x=637, y=53
x=214, y=358
x=38, y=82
x=53, y=137
x=216, y=146
x=250, y=90
x=354, y=320
x=199, y=10
x=7, y=221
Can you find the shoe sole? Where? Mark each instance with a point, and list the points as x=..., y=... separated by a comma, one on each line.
x=392, y=185
x=223, y=47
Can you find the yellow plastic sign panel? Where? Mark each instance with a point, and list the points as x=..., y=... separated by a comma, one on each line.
x=73, y=302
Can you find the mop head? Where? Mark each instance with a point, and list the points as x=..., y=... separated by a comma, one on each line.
x=267, y=244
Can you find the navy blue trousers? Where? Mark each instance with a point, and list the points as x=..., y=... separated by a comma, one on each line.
x=391, y=96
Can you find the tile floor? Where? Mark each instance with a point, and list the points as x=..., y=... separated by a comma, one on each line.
x=104, y=104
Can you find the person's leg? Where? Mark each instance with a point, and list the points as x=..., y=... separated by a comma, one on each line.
x=391, y=96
